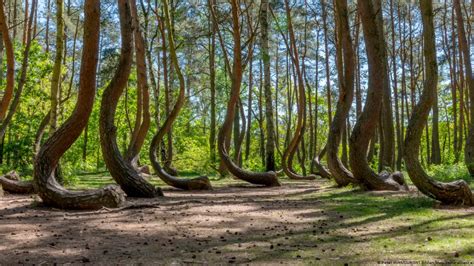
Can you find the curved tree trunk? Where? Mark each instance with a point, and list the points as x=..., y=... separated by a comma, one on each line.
x=465, y=50
x=8, y=94
x=366, y=124
x=199, y=183
x=457, y=192
x=322, y=170
x=48, y=157
x=11, y=183
x=166, y=150
x=143, y=119
x=121, y=170
x=301, y=122
x=346, y=62
x=267, y=178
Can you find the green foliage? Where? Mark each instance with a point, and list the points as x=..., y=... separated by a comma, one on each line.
x=448, y=173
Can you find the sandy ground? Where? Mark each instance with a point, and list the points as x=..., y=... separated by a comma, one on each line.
x=228, y=225
x=234, y=224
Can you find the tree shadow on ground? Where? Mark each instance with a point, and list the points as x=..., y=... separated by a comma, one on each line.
x=298, y=223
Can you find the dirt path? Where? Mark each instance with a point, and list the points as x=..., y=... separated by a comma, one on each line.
x=229, y=225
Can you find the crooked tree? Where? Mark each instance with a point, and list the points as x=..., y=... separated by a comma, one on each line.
x=457, y=192
x=198, y=183
x=59, y=142
x=236, y=73
x=366, y=124
x=143, y=116
x=345, y=65
x=290, y=151
x=121, y=170
x=464, y=48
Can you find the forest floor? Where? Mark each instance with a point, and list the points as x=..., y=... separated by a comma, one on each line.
x=298, y=223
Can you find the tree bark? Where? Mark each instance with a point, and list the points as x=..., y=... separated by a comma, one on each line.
x=270, y=128
x=40, y=132
x=322, y=170
x=8, y=94
x=366, y=124
x=11, y=183
x=465, y=50
x=121, y=170
x=21, y=84
x=48, y=157
x=301, y=105
x=387, y=151
x=457, y=192
x=268, y=178
x=326, y=52
x=56, y=76
x=166, y=150
x=345, y=65
x=142, y=121
x=199, y=183
x=212, y=85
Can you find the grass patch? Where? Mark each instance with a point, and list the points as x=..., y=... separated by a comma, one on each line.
x=347, y=225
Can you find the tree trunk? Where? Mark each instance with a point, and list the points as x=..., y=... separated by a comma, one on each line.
x=166, y=150
x=142, y=121
x=270, y=128
x=366, y=124
x=322, y=171
x=8, y=94
x=326, y=54
x=59, y=142
x=56, y=76
x=435, y=148
x=268, y=178
x=40, y=132
x=212, y=86
x=11, y=183
x=301, y=105
x=345, y=65
x=199, y=183
x=387, y=161
x=121, y=170
x=21, y=84
x=249, y=108
x=465, y=50
x=260, y=116
x=457, y=192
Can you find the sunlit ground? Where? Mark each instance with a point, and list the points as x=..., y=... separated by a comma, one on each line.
x=299, y=223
